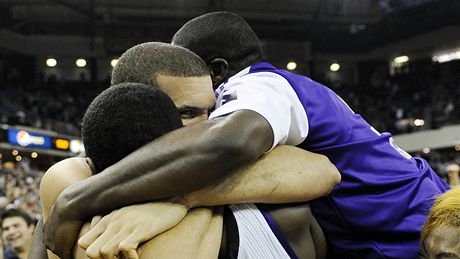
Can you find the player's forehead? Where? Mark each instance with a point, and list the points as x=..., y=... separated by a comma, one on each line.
x=196, y=91
x=168, y=81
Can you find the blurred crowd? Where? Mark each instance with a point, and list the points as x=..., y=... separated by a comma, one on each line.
x=19, y=187
x=51, y=103
x=390, y=103
x=20, y=207
x=393, y=103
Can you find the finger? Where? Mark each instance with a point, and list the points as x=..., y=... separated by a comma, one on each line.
x=130, y=253
x=94, y=249
x=92, y=235
x=95, y=220
x=133, y=240
x=110, y=249
x=92, y=252
x=128, y=248
x=106, y=245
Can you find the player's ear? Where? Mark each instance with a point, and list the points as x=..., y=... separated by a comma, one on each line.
x=219, y=70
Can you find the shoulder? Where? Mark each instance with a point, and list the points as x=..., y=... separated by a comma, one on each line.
x=261, y=77
x=60, y=176
x=70, y=169
x=254, y=84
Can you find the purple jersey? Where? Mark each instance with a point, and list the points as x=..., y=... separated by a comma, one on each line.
x=378, y=209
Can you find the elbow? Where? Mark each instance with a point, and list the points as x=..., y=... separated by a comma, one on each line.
x=242, y=144
x=332, y=175
x=237, y=152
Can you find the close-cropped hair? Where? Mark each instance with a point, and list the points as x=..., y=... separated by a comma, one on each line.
x=17, y=213
x=221, y=35
x=445, y=212
x=143, y=62
x=123, y=118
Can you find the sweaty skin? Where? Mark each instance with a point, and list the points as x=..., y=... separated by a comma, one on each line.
x=164, y=176
x=61, y=175
x=192, y=99
x=300, y=181
x=181, y=157
x=161, y=177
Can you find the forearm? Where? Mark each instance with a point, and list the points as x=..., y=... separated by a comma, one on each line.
x=198, y=235
x=175, y=164
x=284, y=175
x=37, y=248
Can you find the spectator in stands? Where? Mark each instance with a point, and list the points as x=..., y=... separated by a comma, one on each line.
x=441, y=231
x=453, y=171
x=17, y=229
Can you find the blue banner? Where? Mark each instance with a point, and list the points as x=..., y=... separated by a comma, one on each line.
x=28, y=139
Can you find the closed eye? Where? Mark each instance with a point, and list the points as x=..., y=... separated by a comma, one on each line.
x=191, y=112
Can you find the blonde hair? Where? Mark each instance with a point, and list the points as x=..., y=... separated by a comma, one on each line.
x=445, y=212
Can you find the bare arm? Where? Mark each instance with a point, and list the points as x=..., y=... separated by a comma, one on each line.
x=174, y=164
x=284, y=175
x=198, y=235
x=56, y=179
x=162, y=216
x=37, y=247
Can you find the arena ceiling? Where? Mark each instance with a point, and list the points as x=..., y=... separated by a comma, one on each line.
x=337, y=25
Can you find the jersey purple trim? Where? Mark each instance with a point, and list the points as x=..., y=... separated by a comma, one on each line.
x=279, y=235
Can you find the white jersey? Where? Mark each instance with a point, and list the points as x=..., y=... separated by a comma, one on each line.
x=375, y=172
x=257, y=240
x=271, y=96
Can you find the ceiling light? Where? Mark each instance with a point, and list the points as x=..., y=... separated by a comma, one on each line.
x=401, y=59
x=51, y=62
x=334, y=67
x=447, y=57
x=291, y=65
x=81, y=62
x=419, y=122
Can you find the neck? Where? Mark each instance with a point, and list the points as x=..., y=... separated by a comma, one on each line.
x=232, y=72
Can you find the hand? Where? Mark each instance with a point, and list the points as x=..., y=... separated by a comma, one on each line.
x=60, y=233
x=124, y=229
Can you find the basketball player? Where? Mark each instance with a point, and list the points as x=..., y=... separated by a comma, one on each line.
x=320, y=186
x=376, y=212
x=378, y=209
